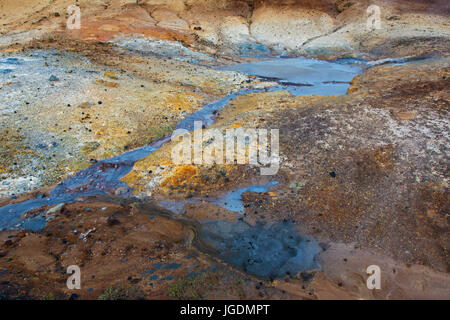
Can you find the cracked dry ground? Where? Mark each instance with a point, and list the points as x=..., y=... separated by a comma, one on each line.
x=364, y=174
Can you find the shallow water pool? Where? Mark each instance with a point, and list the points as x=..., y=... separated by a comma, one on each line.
x=303, y=76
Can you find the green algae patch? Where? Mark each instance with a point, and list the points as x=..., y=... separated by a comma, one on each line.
x=111, y=75
x=78, y=165
x=191, y=288
x=14, y=152
x=90, y=147
x=121, y=293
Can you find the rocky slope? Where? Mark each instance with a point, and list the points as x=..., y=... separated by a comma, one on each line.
x=324, y=27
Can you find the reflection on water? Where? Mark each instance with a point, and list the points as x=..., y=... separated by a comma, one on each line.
x=303, y=76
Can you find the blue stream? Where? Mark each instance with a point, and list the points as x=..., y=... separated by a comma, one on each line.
x=299, y=76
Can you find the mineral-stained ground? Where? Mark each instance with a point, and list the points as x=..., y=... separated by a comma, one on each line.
x=87, y=177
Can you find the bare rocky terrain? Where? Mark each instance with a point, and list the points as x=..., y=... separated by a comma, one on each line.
x=87, y=176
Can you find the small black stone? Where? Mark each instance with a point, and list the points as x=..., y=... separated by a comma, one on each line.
x=333, y=174
x=306, y=276
x=112, y=221
x=73, y=296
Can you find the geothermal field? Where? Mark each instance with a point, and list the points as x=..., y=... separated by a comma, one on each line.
x=214, y=149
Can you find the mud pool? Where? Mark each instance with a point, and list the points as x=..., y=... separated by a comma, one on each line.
x=270, y=251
